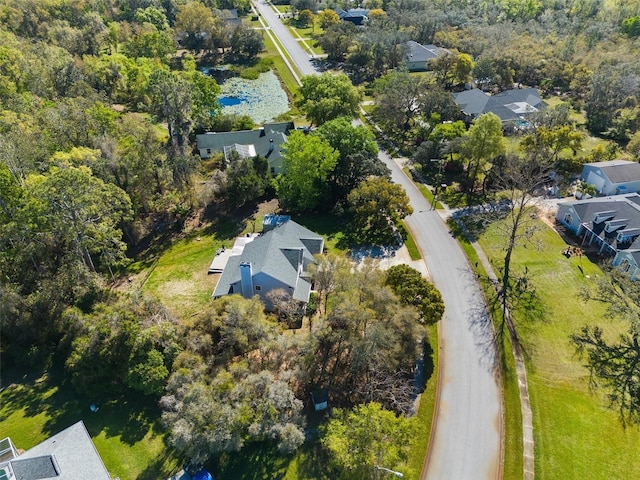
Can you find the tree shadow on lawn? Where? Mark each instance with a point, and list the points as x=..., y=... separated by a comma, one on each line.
x=129, y=416
x=256, y=461
x=162, y=466
x=325, y=224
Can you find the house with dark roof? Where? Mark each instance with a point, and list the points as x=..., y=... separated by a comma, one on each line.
x=278, y=258
x=68, y=455
x=229, y=16
x=357, y=16
x=614, y=177
x=418, y=56
x=512, y=106
x=610, y=223
x=265, y=141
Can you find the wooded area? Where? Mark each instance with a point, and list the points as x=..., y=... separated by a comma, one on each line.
x=100, y=102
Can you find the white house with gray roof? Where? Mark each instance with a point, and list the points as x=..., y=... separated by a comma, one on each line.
x=614, y=177
x=265, y=141
x=276, y=259
x=68, y=455
x=418, y=56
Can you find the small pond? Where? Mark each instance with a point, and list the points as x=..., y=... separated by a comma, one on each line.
x=263, y=99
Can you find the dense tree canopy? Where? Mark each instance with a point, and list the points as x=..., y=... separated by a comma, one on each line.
x=414, y=289
x=365, y=437
x=328, y=96
x=357, y=155
x=308, y=160
x=377, y=206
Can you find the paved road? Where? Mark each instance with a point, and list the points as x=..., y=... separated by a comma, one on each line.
x=300, y=58
x=466, y=444
x=468, y=426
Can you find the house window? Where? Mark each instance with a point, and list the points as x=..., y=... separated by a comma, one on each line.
x=208, y=151
x=258, y=288
x=625, y=265
x=568, y=219
x=273, y=170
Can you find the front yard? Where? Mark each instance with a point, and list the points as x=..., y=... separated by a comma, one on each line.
x=576, y=434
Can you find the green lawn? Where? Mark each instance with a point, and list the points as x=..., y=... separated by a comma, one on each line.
x=179, y=277
x=125, y=431
x=327, y=226
x=576, y=435
x=279, y=64
x=410, y=243
x=307, y=37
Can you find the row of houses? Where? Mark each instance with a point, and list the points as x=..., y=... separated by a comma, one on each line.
x=280, y=256
x=610, y=222
x=512, y=106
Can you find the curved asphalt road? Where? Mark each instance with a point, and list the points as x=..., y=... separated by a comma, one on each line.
x=466, y=442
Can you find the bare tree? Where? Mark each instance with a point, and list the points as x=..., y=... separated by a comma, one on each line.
x=520, y=179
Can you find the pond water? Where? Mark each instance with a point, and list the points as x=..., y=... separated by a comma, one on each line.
x=230, y=100
x=263, y=99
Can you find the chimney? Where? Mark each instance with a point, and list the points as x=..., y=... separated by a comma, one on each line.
x=270, y=145
x=262, y=134
x=246, y=279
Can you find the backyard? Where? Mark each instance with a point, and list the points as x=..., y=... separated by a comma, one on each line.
x=125, y=431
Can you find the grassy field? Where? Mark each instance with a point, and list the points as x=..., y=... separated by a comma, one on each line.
x=576, y=434
x=306, y=37
x=124, y=430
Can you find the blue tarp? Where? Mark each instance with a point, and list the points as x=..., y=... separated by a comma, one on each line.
x=203, y=475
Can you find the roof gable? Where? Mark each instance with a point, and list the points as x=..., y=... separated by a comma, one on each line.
x=265, y=141
x=279, y=253
x=508, y=105
x=618, y=171
x=422, y=53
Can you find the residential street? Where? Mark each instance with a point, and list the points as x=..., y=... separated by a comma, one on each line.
x=466, y=444
x=467, y=437
x=299, y=57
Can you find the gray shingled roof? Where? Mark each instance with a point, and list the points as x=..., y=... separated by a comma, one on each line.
x=508, y=105
x=619, y=171
x=260, y=138
x=619, y=210
x=422, y=53
x=472, y=102
x=619, y=205
x=36, y=468
x=277, y=254
x=73, y=453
